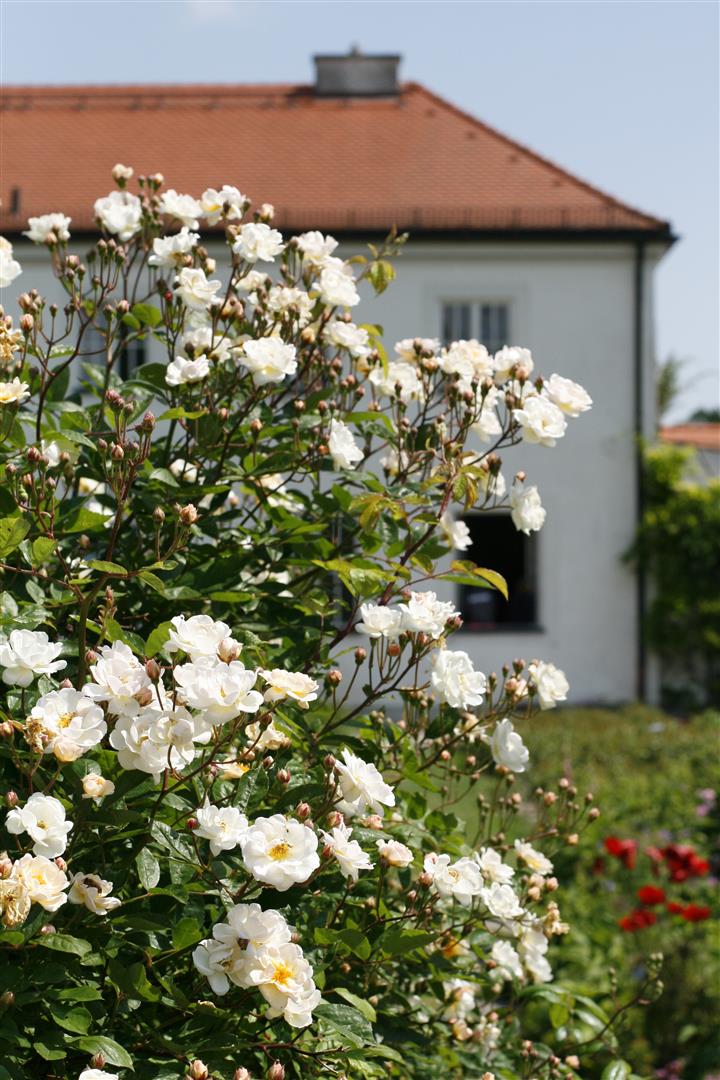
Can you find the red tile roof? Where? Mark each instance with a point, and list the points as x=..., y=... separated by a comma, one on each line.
x=701, y=436
x=342, y=164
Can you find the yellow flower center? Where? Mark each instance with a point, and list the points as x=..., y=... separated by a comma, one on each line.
x=282, y=974
x=280, y=851
x=66, y=719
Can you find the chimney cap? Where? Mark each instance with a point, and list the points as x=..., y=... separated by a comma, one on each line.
x=356, y=74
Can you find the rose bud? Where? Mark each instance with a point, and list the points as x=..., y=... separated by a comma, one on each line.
x=192, y=823
x=188, y=514
x=276, y=1071
x=198, y=1070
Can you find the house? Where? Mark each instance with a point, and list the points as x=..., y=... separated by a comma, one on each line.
x=505, y=246
x=704, y=439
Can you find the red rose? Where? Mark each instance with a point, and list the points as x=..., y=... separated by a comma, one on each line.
x=674, y=908
x=650, y=895
x=637, y=920
x=695, y=912
x=624, y=850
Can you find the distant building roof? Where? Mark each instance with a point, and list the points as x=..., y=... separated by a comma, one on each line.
x=702, y=436
x=339, y=163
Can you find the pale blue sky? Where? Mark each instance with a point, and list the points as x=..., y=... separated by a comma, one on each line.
x=624, y=94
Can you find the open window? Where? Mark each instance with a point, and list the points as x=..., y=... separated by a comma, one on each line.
x=497, y=544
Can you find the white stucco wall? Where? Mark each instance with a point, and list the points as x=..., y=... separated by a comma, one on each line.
x=573, y=305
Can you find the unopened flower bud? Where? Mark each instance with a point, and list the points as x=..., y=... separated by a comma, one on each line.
x=334, y=677
x=572, y=1061
x=373, y=821
x=256, y=426
x=229, y=650
x=241, y=1074
x=47, y=929
x=148, y=422
x=268, y=761
x=329, y=762
x=594, y=814
x=192, y=823
x=97, y=1061
x=283, y=776
x=425, y=879
x=60, y=863
x=360, y=655
x=116, y=452
x=144, y=696
x=152, y=670
x=276, y=1071
x=198, y=1070
x=6, y=729
x=549, y=798
x=26, y=323
x=573, y=839
x=188, y=514
x=158, y=515
x=394, y=649
x=303, y=811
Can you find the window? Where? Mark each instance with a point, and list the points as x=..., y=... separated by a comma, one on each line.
x=497, y=544
x=489, y=323
x=131, y=356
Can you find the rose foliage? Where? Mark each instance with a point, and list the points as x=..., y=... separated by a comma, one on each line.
x=231, y=698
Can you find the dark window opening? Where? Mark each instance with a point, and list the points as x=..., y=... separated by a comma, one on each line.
x=489, y=323
x=498, y=545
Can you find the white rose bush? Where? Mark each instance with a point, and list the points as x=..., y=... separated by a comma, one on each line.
x=235, y=720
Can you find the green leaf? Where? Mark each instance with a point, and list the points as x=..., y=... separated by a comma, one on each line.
x=64, y=943
x=82, y=520
x=132, y=980
x=115, y=632
x=42, y=549
x=75, y=1018
x=157, y=639
x=398, y=942
x=358, y=1003
x=354, y=940
x=147, y=314
x=148, y=869
x=616, y=1070
x=47, y=1053
x=348, y=1022
x=107, y=567
x=13, y=531
x=113, y=1053
x=179, y=413
x=490, y=577
x=559, y=1015
x=186, y=932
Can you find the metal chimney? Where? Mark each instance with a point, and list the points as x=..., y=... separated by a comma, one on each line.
x=357, y=75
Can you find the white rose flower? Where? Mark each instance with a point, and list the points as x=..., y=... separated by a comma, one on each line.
x=222, y=691
x=257, y=241
x=468, y=359
x=542, y=422
x=492, y=867
x=28, y=653
x=120, y=213
x=158, y=739
x=95, y=786
x=170, y=250
x=294, y=685
x=527, y=512
x=283, y=300
x=14, y=392
x=337, y=286
x=532, y=947
x=409, y=349
x=43, y=819
x=461, y=879
x=569, y=396
x=280, y=852
x=226, y=204
x=43, y=880
x=399, y=380
x=184, y=470
x=534, y=860
x=181, y=371
x=362, y=787
x=315, y=247
x=194, y=289
x=213, y=959
x=284, y=978
x=507, y=747
x=507, y=961
x=94, y=893
x=488, y=427
x=183, y=207
x=201, y=341
x=379, y=620
x=424, y=613
x=197, y=636
x=98, y=1074
x=9, y=268
x=348, y=336
x=40, y=229
x=118, y=678
x=268, y=360
x=251, y=282
x=392, y=462
x=549, y=682
x=501, y=901
x=509, y=358
x=394, y=853
x=122, y=172
x=223, y=826
x=456, y=532
x=69, y=721
x=268, y=738
x=456, y=680
x=344, y=451
x=350, y=856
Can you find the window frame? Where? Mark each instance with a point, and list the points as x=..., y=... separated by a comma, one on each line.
x=476, y=303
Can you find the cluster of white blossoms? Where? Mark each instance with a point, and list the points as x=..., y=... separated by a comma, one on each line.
x=27, y=654
x=254, y=948
x=423, y=613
